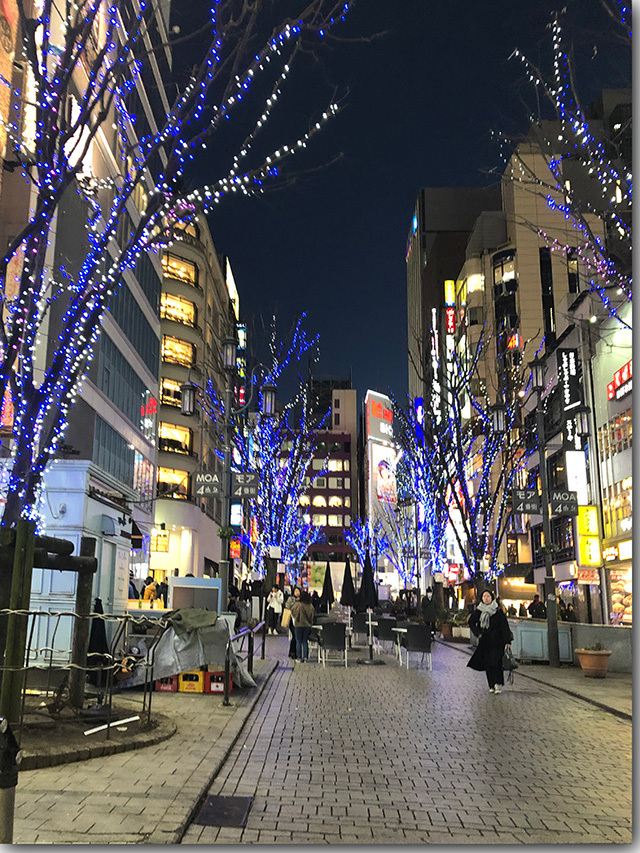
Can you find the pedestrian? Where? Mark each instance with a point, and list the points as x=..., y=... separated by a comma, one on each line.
x=295, y=596
x=133, y=589
x=302, y=613
x=511, y=610
x=232, y=607
x=571, y=614
x=162, y=592
x=315, y=600
x=490, y=625
x=275, y=600
x=429, y=611
x=562, y=609
x=522, y=611
x=150, y=591
x=537, y=610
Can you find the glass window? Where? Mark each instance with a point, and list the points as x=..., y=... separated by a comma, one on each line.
x=304, y=500
x=317, y=464
x=347, y=482
x=175, y=439
x=320, y=483
x=336, y=403
x=335, y=465
x=319, y=500
x=347, y=521
x=143, y=479
x=335, y=521
x=173, y=266
x=178, y=309
x=175, y=351
x=336, y=419
x=347, y=501
x=173, y=483
x=345, y=465
x=335, y=482
x=170, y=393
x=160, y=542
x=319, y=520
x=572, y=271
x=189, y=228
x=335, y=500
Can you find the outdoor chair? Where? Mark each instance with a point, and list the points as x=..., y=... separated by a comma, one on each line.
x=314, y=640
x=333, y=638
x=361, y=624
x=417, y=639
x=383, y=633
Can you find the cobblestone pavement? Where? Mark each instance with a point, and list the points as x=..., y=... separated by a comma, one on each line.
x=385, y=755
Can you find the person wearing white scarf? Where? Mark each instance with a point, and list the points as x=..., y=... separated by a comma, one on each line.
x=490, y=625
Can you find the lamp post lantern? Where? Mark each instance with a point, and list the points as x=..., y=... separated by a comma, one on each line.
x=537, y=367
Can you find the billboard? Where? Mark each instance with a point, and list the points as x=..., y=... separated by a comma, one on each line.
x=379, y=415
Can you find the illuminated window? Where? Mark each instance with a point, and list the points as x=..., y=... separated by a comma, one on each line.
x=335, y=482
x=346, y=465
x=319, y=500
x=347, y=501
x=179, y=268
x=572, y=271
x=504, y=268
x=335, y=521
x=317, y=464
x=178, y=309
x=175, y=351
x=304, y=500
x=188, y=228
x=319, y=520
x=160, y=542
x=170, y=394
x=335, y=465
x=173, y=483
x=347, y=521
x=335, y=500
x=175, y=439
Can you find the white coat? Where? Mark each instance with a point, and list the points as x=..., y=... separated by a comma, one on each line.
x=275, y=600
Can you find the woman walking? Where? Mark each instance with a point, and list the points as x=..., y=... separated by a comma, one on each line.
x=291, y=600
x=490, y=625
x=302, y=613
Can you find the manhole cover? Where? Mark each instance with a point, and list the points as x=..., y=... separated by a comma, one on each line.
x=224, y=811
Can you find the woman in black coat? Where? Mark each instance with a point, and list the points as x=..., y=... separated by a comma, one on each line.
x=490, y=625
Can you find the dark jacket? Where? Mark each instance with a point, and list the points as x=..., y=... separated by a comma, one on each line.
x=537, y=610
x=302, y=614
x=428, y=609
x=492, y=640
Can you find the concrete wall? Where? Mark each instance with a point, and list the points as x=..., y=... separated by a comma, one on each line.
x=617, y=639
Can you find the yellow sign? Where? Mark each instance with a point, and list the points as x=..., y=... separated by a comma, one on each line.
x=589, y=551
x=449, y=292
x=588, y=521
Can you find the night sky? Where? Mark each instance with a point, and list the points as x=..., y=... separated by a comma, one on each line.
x=422, y=102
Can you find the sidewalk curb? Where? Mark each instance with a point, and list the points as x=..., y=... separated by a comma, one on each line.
x=233, y=729
x=622, y=714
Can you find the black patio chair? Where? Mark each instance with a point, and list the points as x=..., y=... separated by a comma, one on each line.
x=417, y=639
x=333, y=638
x=384, y=633
x=361, y=623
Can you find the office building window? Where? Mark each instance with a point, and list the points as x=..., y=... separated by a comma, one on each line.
x=320, y=483
x=304, y=500
x=335, y=500
x=175, y=351
x=173, y=266
x=336, y=420
x=173, y=483
x=335, y=465
x=178, y=309
x=174, y=439
x=335, y=521
x=143, y=480
x=170, y=393
x=572, y=271
x=112, y=452
x=336, y=403
x=319, y=500
x=160, y=542
x=347, y=521
x=335, y=482
x=317, y=464
x=319, y=520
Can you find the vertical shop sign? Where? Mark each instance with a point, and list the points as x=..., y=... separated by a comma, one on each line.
x=571, y=395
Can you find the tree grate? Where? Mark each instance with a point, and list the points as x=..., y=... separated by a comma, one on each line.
x=223, y=811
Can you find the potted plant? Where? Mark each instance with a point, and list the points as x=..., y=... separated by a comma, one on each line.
x=594, y=660
x=446, y=627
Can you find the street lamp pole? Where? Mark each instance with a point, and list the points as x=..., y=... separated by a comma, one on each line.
x=537, y=367
x=229, y=362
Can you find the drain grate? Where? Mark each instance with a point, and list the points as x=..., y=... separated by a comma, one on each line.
x=224, y=811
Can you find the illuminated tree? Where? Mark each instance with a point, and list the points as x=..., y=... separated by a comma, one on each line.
x=366, y=536
x=588, y=176
x=76, y=136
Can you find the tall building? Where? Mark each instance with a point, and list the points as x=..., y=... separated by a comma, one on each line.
x=199, y=309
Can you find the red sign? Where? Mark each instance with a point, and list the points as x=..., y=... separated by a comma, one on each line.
x=450, y=320
x=234, y=549
x=380, y=411
x=151, y=408
x=588, y=576
x=621, y=385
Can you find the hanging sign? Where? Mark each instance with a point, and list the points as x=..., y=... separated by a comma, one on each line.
x=564, y=502
x=526, y=500
x=571, y=395
x=621, y=385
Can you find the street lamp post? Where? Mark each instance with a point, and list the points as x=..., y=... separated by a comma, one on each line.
x=537, y=367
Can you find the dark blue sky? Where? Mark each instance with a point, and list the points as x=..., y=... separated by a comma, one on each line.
x=423, y=100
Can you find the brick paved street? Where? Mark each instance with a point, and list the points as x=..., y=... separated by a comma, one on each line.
x=382, y=755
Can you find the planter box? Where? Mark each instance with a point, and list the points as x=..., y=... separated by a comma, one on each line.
x=455, y=631
x=465, y=632
x=446, y=631
x=594, y=664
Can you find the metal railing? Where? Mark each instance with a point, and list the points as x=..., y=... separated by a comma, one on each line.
x=250, y=634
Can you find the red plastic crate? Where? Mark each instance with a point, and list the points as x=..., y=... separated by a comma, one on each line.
x=214, y=682
x=167, y=685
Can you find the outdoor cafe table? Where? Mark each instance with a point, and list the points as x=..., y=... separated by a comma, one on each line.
x=398, y=632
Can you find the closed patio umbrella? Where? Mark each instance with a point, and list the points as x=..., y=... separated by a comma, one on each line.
x=367, y=600
x=327, y=598
x=348, y=594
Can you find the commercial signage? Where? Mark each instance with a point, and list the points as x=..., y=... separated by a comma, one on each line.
x=571, y=395
x=526, y=500
x=379, y=417
x=621, y=385
x=588, y=576
x=564, y=502
x=589, y=552
x=588, y=521
x=207, y=484
x=244, y=485
x=383, y=472
x=235, y=548
x=450, y=320
x=610, y=553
